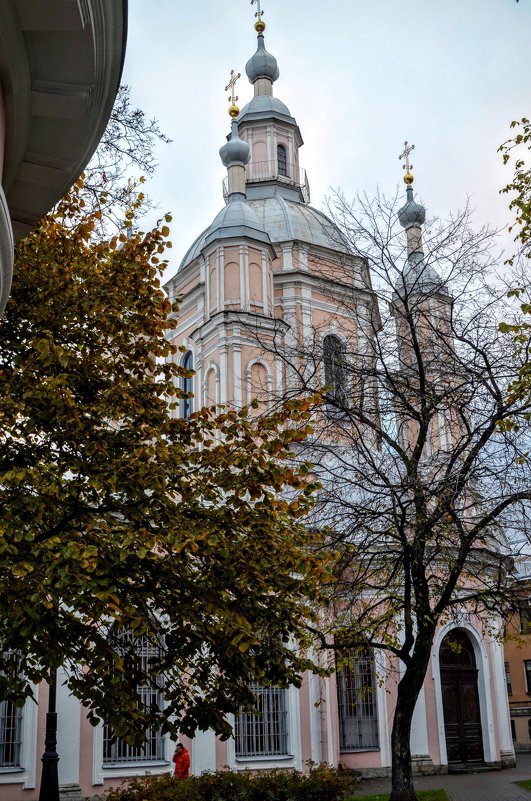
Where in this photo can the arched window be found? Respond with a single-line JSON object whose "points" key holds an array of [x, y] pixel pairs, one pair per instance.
{"points": [[356, 699], [335, 374], [187, 385], [282, 160]]}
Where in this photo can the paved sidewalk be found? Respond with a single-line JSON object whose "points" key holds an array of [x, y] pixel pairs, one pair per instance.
{"points": [[488, 786]]}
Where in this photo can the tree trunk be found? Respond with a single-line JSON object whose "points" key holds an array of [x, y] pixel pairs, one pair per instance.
{"points": [[409, 688]]}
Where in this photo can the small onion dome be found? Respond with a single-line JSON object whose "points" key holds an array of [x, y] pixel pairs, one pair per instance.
{"points": [[262, 64], [412, 213], [235, 151]]}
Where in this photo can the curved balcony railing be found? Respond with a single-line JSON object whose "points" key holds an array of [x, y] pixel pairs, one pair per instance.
{"points": [[291, 175]]}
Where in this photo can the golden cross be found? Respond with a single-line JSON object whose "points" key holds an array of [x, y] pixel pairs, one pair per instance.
{"points": [[231, 84], [405, 155], [259, 13]]}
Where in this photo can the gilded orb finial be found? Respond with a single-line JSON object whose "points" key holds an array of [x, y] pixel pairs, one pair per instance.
{"points": [[233, 108], [259, 25], [407, 166]]}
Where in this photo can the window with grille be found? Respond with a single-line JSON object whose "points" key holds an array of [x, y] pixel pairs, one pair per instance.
{"points": [[508, 679], [187, 385], [356, 696], [117, 751], [282, 160], [525, 618], [265, 734], [10, 735], [335, 375]]}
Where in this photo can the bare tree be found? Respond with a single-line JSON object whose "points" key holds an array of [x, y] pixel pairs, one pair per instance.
{"points": [[419, 448], [127, 145]]}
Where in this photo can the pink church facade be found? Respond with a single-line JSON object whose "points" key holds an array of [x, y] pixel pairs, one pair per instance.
{"points": [[242, 292]]}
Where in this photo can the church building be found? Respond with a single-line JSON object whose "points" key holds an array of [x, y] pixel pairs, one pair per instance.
{"points": [[271, 271]]}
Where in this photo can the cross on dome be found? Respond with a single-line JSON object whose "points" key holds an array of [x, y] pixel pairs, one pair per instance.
{"points": [[259, 13], [407, 166], [259, 24], [233, 109]]}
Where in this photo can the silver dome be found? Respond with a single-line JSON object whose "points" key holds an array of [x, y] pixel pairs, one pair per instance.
{"points": [[235, 151], [262, 64], [280, 219], [411, 213]]}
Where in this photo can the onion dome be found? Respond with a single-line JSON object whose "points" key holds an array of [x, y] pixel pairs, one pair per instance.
{"points": [[411, 213], [262, 64], [235, 152]]}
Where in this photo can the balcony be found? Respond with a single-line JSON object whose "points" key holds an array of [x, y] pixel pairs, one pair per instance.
{"points": [[265, 171]]}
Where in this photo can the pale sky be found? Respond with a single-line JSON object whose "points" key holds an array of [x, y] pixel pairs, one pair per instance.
{"points": [[359, 77]]}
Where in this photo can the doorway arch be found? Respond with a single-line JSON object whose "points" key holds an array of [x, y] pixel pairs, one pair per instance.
{"points": [[460, 697]]}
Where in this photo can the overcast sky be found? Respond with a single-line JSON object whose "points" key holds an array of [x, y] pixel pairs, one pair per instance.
{"points": [[360, 77]]}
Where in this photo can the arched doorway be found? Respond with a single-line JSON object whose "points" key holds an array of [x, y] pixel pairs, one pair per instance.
{"points": [[462, 718]]}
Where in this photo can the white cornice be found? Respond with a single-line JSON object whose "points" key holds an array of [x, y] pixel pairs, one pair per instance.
{"points": [[60, 65]]}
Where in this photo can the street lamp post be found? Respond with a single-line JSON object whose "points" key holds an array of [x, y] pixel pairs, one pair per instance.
{"points": [[49, 775]]}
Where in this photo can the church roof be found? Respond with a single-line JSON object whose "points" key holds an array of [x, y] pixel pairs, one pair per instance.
{"points": [[265, 107], [284, 220]]}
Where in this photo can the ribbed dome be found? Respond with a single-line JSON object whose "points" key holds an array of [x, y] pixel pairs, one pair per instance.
{"points": [[262, 64], [236, 219], [411, 213], [283, 221]]}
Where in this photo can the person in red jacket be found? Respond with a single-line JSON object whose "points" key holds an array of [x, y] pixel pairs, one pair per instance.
{"points": [[181, 758]]}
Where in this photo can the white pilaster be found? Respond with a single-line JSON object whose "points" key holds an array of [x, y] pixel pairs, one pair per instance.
{"points": [[223, 388], [246, 292], [287, 257], [237, 370], [221, 279], [68, 732], [502, 701], [419, 728], [203, 752], [265, 303]]}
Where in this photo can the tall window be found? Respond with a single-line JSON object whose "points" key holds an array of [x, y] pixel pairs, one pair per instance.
{"points": [[527, 669], [187, 385], [265, 734], [508, 679], [10, 735], [282, 160], [335, 375], [525, 618], [356, 696], [115, 750]]}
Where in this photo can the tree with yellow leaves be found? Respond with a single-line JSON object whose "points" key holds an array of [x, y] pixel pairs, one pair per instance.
{"points": [[121, 521]]}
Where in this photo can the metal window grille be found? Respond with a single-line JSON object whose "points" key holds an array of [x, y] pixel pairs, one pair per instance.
{"points": [[282, 160], [10, 735], [527, 668], [356, 693], [265, 734], [116, 751], [508, 679], [525, 618], [335, 360]]}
